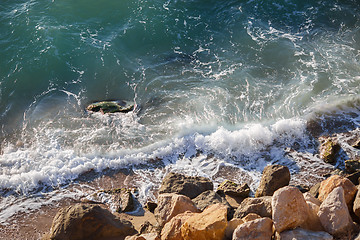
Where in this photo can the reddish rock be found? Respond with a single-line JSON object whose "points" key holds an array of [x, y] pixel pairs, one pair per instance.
{"points": [[290, 209], [232, 225], [170, 205], [335, 181], [172, 229], [208, 225], [273, 177], [334, 214], [313, 221], [258, 229], [250, 217]]}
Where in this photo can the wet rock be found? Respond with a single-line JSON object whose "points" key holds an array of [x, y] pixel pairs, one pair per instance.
{"points": [[233, 189], [232, 225], [208, 225], [273, 177], [172, 229], [352, 166], [356, 206], [170, 205], [289, 207], [328, 149], [303, 234], [207, 198], [334, 181], [260, 205], [334, 214], [111, 106], [259, 229], [83, 221], [185, 185]]}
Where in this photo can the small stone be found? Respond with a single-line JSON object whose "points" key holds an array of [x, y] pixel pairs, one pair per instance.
{"points": [[123, 201], [352, 166], [185, 185], [328, 149], [170, 205], [335, 181], [260, 205], [232, 225], [290, 209], [150, 206], [259, 229], [233, 189], [302, 234], [250, 217], [334, 214], [208, 225], [273, 178]]}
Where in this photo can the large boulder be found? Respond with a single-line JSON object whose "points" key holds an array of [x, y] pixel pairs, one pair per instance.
{"points": [[289, 208], [170, 205], [233, 189], [334, 214], [273, 178], [258, 229], [303, 234], [88, 222], [208, 225], [260, 205], [172, 229], [328, 149], [329, 184], [185, 185]]}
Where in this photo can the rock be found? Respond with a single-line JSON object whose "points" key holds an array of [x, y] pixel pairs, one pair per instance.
{"points": [[313, 221], [250, 217], [289, 207], [185, 185], [207, 198], [172, 229], [356, 207], [150, 206], [261, 206], [232, 225], [303, 188], [233, 189], [352, 166], [123, 201], [356, 144], [328, 149], [88, 222], [170, 205], [314, 190], [146, 236], [354, 177], [334, 214], [310, 198], [208, 225], [234, 202], [258, 229], [334, 181], [111, 106], [302, 234], [273, 178]]}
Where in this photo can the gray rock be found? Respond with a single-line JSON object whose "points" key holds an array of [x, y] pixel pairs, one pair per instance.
{"points": [[260, 206], [88, 222], [185, 185], [233, 189], [273, 178]]}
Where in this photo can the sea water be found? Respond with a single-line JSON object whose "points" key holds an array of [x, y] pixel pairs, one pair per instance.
{"points": [[217, 85]]}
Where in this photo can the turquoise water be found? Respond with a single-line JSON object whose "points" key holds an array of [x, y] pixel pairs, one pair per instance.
{"points": [[230, 78]]}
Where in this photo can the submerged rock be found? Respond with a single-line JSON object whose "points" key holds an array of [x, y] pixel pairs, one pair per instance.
{"points": [[111, 106]]}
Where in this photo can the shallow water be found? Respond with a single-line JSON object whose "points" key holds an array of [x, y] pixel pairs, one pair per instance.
{"points": [[217, 85]]}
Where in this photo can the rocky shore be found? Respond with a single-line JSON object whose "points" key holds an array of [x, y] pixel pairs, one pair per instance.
{"points": [[189, 208]]}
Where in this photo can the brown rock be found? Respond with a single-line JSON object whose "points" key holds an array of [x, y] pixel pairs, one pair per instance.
{"points": [[313, 221], [170, 205], [88, 222], [123, 201], [273, 178], [258, 229], [328, 149], [261, 206], [207, 198], [334, 181], [302, 234], [352, 165], [232, 225], [185, 185], [310, 198], [233, 189], [250, 217], [208, 225], [356, 207], [172, 229], [314, 190], [290, 209], [334, 214]]}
